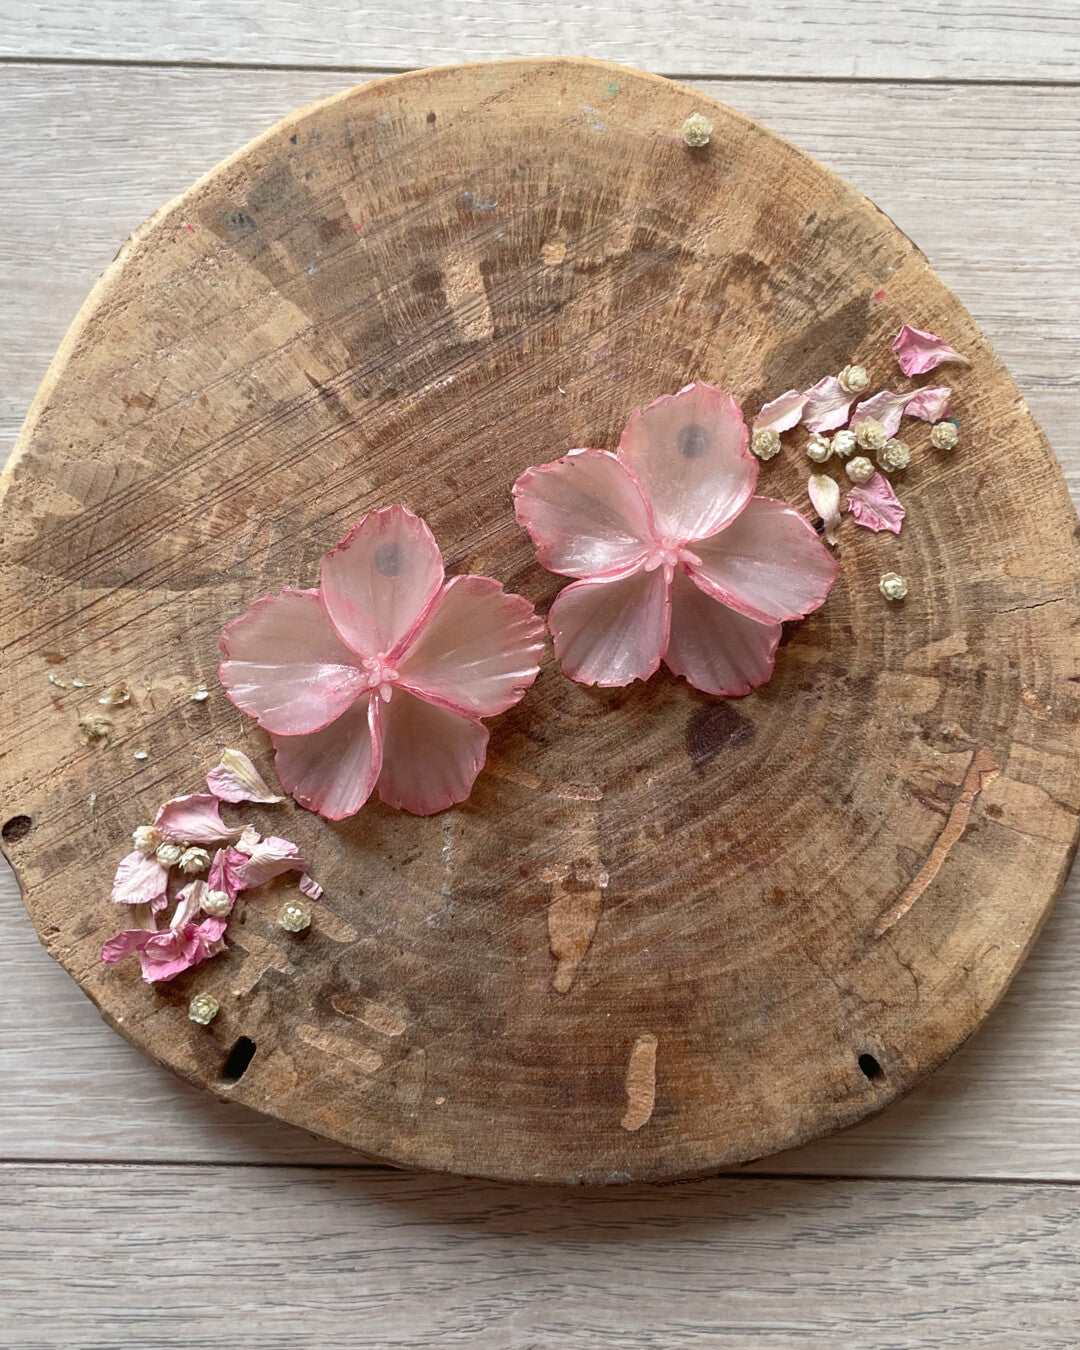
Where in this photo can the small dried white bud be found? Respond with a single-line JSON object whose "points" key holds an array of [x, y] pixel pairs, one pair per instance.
{"points": [[146, 839], [194, 860], [217, 904], [893, 455], [870, 434], [696, 130], [203, 1008], [818, 447], [295, 916], [199, 694], [168, 855], [140, 755], [844, 443], [944, 435], [859, 469], [854, 379], [892, 586], [765, 443], [116, 697], [94, 728]]}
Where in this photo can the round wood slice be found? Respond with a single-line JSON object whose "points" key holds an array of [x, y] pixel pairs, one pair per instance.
{"points": [[667, 933]]}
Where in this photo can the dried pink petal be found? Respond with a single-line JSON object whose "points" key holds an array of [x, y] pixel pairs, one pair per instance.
{"points": [[478, 650], [611, 632], [827, 404], [885, 407], [690, 452], [140, 880], [917, 351], [236, 779], [824, 494], [175, 950], [270, 858], [224, 874], [586, 513], [717, 649], [431, 755], [193, 819], [930, 404], [875, 506], [782, 413], [310, 887], [768, 564]]}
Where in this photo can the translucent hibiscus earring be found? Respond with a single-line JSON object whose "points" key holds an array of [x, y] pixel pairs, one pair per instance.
{"points": [[676, 558]]}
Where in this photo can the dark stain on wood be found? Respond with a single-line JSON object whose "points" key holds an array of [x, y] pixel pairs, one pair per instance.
{"points": [[713, 728]]}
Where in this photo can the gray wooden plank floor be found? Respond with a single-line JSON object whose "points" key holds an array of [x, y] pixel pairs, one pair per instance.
{"points": [[962, 125]]}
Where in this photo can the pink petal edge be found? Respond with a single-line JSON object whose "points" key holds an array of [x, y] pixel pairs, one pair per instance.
{"points": [[140, 880], [885, 407], [715, 648], [827, 404], [824, 494], [874, 505], [193, 819], [783, 413], [610, 633], [236, 779], [918, 351], [931, 404]]}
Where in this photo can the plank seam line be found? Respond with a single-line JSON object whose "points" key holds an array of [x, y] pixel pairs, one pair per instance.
{"points": [[138, 63]]}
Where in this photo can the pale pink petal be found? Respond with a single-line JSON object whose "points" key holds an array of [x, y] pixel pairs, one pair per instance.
{"points": [[270, 858], [125, 943], [874, 505], [477, 651], [379, 579], [285, 665], [717, 649], [188, 902], [586, 513], [333, 771], [194, 819], [691, 452], [931, 404], [611, 632], [236, 779], [140, 881], [827, 405], [824, 494], [431, 756], [310, 887], [782, 413], [180, 949], [917, 352], [224, 873], [886, 408], [768, 564]]}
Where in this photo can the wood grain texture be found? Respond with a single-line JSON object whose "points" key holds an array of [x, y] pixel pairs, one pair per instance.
{"points": [[197, 354], [867, 39], [168, 1258]]}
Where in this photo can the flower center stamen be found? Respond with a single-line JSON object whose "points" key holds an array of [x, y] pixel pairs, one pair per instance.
{"points": [[379, 675], [668, 554]]}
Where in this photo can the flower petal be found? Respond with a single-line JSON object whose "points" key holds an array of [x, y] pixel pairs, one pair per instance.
{"points": [[270, 858], [611, 632], [824, 494], [431, 756], [717, 649], [285, 665], [310, 887], [875, 505], [378, 580], [478, 649], [194, 819], [140, 881], [886, 408], [782, 413], [917, 351], [768, 564], [587, 514], [333, 771], [224, 873], [827, 405], [690, 451], [931, 404], [123, 944], [236, 779]]}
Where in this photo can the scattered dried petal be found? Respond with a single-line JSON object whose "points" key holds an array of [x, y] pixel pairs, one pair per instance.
{"points": [[944, 436], [854, 379], [930, 404], [859, 469], [236, 779], [140, 881], [194, 819], [917, 351], [893, 586], [203, 1008], [116, 697], [818, 447], [844, 444], [295, 916], [782, 413], [310, 887], [886, 408], [824, 495], [827, 405], [893, 456], [696, 130], [94, 728], [875, 506], [269, 858], [765, 443]]}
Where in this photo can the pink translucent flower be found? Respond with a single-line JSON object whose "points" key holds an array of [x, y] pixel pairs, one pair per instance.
{"points": [[380, 677], [677, 560], [165, 954]]}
